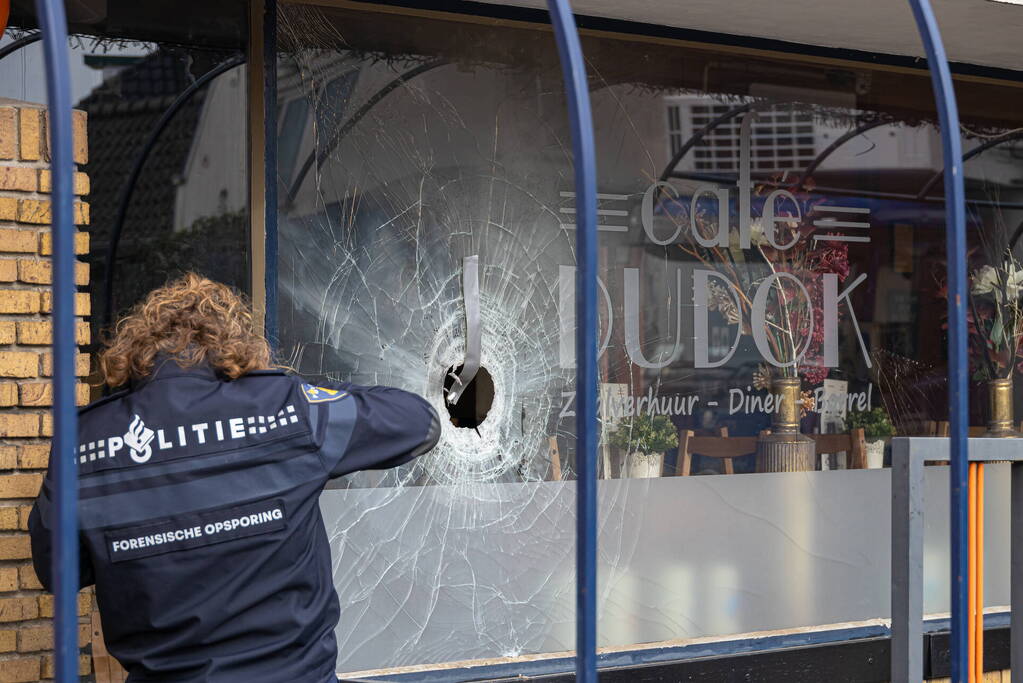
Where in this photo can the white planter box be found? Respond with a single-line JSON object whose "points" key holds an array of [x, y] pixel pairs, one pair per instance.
{"points": [[642, 465], [875, 454]]}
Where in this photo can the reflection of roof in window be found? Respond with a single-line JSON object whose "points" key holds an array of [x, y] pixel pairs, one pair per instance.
{"points": [[158, 74], [122, 112]]}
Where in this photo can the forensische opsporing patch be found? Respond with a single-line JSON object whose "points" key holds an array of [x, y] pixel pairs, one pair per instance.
{"points": [[188, 531]]}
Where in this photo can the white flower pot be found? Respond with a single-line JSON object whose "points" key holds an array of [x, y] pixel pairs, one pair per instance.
{"points": [[875, 454], [642, 465]]}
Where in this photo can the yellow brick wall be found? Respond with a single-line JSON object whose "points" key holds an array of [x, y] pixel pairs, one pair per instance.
{"points": [[26, 630]]}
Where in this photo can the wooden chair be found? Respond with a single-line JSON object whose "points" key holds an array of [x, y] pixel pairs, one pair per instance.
{"points": [[721, 446], [554, 456], [728, 448], [852, 443]]}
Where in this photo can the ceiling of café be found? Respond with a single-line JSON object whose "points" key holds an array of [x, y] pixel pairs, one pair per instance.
{"points": [[981, 32], [978, 32]]}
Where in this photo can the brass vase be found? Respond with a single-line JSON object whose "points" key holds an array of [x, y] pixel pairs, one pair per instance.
{"points": [[785, 449], [999, 396]]}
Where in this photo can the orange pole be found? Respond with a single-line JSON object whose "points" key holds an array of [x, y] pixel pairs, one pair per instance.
{"points": [[979, 654], [972, 576]]}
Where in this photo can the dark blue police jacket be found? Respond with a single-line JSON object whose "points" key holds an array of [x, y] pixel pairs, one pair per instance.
{"points": [[199, 518]]}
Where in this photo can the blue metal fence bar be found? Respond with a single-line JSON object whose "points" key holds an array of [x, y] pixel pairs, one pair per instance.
{"points": [[584, 155], [270, 168], [53, 23], [955, 241], [136, 171]]}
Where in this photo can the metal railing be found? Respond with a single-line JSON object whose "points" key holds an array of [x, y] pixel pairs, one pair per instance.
{"points": [[53, 25], [587, 431], [270, 171], [958, 362], [907, 560]]}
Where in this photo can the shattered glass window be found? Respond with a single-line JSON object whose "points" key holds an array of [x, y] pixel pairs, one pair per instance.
{"points": [[771, 309]]}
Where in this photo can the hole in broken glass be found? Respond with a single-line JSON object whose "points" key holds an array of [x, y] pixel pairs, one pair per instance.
{"points": [[471, 408]]}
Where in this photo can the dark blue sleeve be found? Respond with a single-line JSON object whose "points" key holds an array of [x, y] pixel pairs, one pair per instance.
{"points": [[374, 428], [40, 528]]}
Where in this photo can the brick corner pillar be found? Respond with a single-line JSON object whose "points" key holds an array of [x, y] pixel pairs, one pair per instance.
{"points": [[26, 423]]}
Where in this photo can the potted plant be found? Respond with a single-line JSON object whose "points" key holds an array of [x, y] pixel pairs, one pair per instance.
{"points": [[996, 317], [783, 267], [995, 325], [877, 428], [644, 439]]}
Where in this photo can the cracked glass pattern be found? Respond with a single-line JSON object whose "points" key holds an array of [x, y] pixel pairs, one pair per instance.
{"points": [[407, 144]]}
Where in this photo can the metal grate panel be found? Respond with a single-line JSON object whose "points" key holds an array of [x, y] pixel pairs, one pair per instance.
{"points": [[783, 137]]}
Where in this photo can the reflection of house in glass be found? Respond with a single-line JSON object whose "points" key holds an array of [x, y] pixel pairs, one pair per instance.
{"points": [[192, 189]]}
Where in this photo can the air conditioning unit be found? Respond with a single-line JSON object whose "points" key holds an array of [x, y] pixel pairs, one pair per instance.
{"points": [[783, 136]]}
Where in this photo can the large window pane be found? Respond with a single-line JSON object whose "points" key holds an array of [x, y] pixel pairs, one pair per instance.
{"points": [[772, 264]]}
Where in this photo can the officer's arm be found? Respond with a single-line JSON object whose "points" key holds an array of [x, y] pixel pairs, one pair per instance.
{"points": [[40, 528], [374, 428]]}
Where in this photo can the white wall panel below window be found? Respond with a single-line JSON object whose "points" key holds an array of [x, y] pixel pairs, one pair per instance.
{"points": [[680, 558]]}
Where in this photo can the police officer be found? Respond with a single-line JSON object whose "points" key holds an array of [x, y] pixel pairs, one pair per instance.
{"points": [[198, 493]]}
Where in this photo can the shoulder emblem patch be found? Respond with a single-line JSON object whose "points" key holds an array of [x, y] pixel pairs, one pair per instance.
{"points": [[315, 394]]}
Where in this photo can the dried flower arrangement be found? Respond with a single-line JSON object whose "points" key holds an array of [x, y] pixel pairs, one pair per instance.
{"points": [[794, 322], [995, 314]]}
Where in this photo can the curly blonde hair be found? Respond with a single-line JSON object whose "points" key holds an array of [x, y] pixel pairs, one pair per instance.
{"points": [[193, 320]]}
